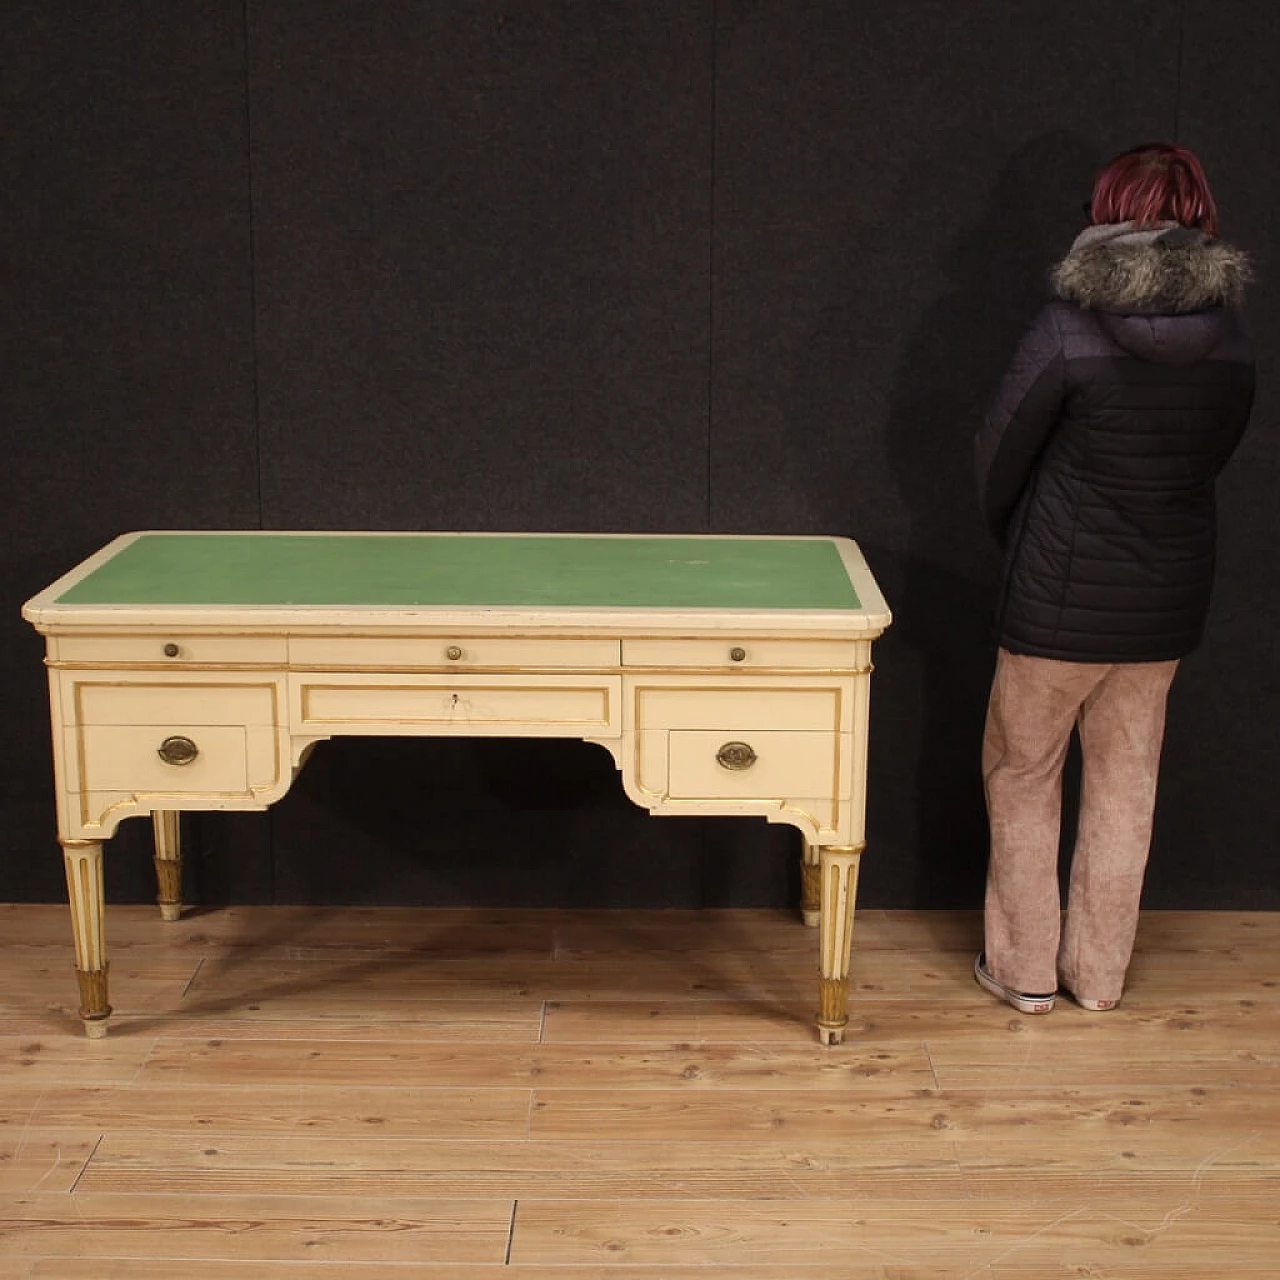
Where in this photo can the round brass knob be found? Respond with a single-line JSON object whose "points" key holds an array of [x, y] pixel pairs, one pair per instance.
{"points": [[736, 756], [177, 750], [453, 653], [738, 654], [171, 650]]}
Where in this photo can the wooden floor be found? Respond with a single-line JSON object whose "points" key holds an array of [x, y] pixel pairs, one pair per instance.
{"points": [[307, 1093]]}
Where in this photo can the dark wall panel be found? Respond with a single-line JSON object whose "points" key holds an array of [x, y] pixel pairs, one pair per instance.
{"points": [[892, 184], [127, 399], [482, 245], [1218, 824]]}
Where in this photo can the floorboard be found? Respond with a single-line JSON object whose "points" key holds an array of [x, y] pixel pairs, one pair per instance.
{"points": [[297, 1093]]}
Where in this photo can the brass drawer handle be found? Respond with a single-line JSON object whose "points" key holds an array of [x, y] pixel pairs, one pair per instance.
{"points": [[453, 653], [177, 750], [736, 755], [171, 650], [737, 654]]}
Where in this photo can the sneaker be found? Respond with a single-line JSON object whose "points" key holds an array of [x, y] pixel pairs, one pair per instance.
{"points": [[1023, 1001]]}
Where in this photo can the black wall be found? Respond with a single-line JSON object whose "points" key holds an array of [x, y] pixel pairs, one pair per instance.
{"points": [[726, 267]]}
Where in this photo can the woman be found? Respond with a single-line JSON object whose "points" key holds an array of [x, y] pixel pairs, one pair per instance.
{"points": [[1096, 468]]}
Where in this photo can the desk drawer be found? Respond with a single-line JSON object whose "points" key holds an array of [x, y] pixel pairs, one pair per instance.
{"points": [[544, 706], [755, 765], [126, 758], [174, 758], [737, 654], [448, 653], [163, 649]]}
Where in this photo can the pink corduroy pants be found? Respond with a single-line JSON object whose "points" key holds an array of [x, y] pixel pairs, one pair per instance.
{"points": [[1119, 711]]}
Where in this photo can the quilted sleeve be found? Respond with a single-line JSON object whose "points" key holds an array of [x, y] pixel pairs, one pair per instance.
{"points": [[1020, 419]]}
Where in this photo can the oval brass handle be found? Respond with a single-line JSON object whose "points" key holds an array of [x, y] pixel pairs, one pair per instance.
{"points": [[171, 650], [736, 755], [177, 750], [738, 654], [453, 653]]}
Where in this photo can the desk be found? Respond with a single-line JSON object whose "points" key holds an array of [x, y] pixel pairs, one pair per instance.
{"points": [[725, 675]]}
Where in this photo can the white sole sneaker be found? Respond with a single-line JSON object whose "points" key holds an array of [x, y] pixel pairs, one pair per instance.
{"points": [[1096, 1006], [1023, 1001]]}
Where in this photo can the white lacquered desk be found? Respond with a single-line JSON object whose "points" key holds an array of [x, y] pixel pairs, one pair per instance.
{"points": [[194, 671]]}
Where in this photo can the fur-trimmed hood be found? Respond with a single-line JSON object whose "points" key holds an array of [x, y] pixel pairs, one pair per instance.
{"points": [[1159, 292], [1161, 270]]}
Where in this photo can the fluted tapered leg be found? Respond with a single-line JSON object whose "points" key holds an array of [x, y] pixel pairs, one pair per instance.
{"points": [[83, 860], [168, 862], [838, 869]]}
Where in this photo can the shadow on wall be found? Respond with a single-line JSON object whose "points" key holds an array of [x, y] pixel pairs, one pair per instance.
{"points": [[993, 280]]}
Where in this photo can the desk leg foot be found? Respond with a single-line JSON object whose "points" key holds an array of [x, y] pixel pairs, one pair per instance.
{"points": [[833, 1009], [838, 869], [810, 886], [94, 1009], [833, 1032], [83, 859], [168, 862]]}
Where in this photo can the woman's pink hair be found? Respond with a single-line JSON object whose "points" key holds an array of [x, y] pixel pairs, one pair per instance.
{"points": [[1154, 183]]}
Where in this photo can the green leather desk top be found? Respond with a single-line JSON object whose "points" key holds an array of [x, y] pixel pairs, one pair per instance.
{"points": [[469, 570]]}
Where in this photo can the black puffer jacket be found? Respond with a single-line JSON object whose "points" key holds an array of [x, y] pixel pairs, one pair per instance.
{"points": [[1096, 463]]}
